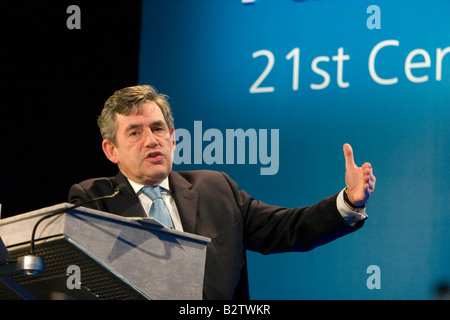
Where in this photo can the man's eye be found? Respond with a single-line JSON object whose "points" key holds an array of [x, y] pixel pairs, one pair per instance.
{"points": [[158, 130]]}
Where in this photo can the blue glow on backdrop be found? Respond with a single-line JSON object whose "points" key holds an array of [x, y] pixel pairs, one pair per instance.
{"points": [[295, 81]]}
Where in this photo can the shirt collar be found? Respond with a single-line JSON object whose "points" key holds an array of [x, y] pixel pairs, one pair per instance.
{"points": [[137, 186]]}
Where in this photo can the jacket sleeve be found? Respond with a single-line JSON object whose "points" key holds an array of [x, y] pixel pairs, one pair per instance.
{"points": [[77, 195], [90, 189], [273, 229]]}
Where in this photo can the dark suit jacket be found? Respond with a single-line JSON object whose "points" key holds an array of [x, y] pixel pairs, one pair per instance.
{"points": [[210, 204]]}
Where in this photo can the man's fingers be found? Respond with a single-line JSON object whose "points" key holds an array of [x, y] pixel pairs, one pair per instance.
{"points": [[348, 154], [367, 169], [372, 181]]}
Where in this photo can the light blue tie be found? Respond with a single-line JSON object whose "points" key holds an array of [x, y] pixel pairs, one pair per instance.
{"points": [[159, 209]]}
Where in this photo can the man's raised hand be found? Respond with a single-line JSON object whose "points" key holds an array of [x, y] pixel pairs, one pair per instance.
{"points": [[360, 181]]}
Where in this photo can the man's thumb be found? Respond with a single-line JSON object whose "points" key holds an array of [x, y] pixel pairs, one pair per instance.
{"points": [[348, 154]]}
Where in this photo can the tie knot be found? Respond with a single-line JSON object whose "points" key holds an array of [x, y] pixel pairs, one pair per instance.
{"points": [[153, 192]]}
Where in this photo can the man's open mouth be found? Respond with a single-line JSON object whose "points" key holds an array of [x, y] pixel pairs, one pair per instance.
{"points": [[154, 155]]}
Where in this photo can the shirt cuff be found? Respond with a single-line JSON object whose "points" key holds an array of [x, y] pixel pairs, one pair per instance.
{"points": [[350, 217]]}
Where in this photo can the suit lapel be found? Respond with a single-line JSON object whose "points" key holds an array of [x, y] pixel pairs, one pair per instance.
{"points": [[186, 200], [127, 204]]}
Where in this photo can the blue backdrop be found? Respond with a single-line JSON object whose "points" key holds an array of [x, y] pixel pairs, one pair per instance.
{"points": [[301, 78]]}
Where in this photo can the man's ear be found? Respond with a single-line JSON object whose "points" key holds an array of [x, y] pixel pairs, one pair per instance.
{"points": [[172, 137], [110, 151]]}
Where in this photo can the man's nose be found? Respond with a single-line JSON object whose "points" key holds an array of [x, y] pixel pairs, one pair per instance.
{"points": [[150, 139]]}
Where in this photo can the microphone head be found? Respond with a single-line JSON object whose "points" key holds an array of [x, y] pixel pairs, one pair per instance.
{"points": [[121, 187]]}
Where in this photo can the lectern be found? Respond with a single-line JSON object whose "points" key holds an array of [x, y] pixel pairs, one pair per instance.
{"points": [[89, 254]]}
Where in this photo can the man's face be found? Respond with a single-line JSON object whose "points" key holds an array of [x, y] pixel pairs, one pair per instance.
{"points": [[144, 145]]}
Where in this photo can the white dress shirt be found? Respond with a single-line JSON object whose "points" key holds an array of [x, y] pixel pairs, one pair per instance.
{"points": [[350, 216]]}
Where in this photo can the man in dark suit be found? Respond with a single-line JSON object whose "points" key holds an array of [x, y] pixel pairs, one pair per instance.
{"points": [[137, 127]]}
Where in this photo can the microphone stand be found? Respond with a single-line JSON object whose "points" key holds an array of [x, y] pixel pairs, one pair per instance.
{"points": [[59, 211], [32, 264]]}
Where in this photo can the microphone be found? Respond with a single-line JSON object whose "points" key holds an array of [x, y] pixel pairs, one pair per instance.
{"points": [[118, 189]]}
